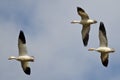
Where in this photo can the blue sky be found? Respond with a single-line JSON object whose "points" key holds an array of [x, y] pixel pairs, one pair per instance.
{"points": [[55, 42]]}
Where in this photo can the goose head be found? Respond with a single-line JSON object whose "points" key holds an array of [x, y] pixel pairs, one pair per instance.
{"points": [[75, 21], [91, 49], [11, 57]]}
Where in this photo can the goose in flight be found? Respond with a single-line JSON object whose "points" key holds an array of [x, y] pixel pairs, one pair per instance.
{"points": [[103, 49], [86, 22], [23, 57]]}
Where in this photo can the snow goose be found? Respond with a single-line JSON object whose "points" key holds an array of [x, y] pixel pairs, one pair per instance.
{"points": [[103, 49], [23, 57], [86, 22]]}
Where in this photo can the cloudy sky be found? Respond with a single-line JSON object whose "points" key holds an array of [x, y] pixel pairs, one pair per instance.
{"points": [[55, 42]]}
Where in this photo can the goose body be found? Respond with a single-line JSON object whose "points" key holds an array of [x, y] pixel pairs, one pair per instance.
{"points": [[86, 22], [23, 57], [103, 49]]}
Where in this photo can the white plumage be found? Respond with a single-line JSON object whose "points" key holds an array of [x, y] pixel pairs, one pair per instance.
{"points": [[23, 57], [86, 22], [103, 49]]}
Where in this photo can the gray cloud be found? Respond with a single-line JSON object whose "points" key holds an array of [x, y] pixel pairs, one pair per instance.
{"points": [[55, 43]]}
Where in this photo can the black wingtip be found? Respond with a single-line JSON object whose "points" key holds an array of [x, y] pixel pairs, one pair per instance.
{"points": [[102, 27], [85, 43], [80, 9], [85, 40], [22, 37], [27, 70], [105, 63]]}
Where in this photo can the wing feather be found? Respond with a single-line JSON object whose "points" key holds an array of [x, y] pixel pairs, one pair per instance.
{"points": [[102, 35], [82, 13], [22, 44], [85, 34], [104, 59], [26, 68]]}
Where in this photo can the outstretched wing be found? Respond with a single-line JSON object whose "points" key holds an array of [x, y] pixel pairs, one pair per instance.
{"points": [[104, 59], [22, 44], [102, 35], [26, 68], [82, 13], [85, 34]]}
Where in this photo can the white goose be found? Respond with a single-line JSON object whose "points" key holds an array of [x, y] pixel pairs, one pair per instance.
{"points": [[103, 49], [23, 57], [85, 21]]}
